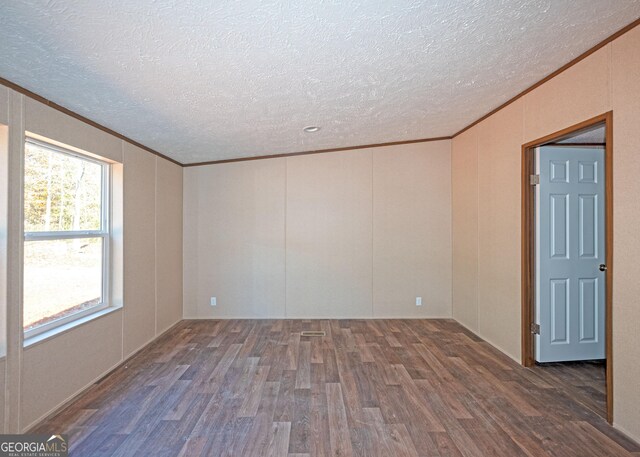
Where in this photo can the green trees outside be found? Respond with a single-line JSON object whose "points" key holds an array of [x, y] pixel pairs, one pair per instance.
{"points": [[61, 191]]}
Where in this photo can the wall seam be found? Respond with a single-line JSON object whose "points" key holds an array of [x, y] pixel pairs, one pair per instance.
{"points": [[524, 120], [124, 252], [610, 81], [372, 238], [451, 221], [155, 242], [286, 193], [613, 408], [194, 201], [477, 231]]}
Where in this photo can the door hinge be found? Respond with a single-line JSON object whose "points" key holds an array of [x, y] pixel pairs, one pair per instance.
{"points": [[534, 180], [535, 329]]}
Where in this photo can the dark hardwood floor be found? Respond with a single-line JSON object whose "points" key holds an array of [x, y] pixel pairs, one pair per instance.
{"points": [[584, 382], [368, 388]]}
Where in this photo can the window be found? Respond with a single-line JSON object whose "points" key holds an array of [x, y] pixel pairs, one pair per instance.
{"points": [[66, 236]]}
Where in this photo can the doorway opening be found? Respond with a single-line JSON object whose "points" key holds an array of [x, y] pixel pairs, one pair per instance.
{"points": [[567, 260]]}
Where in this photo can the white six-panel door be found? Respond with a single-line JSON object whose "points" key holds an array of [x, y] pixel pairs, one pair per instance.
{"points": [[570, 247]]}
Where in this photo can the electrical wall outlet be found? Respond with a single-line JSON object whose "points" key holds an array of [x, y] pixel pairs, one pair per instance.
{"points": [[213, 301], [418, 301]]}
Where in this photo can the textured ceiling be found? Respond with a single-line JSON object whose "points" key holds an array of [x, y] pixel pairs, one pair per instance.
{"points": [[205, 80], [594, 135]]}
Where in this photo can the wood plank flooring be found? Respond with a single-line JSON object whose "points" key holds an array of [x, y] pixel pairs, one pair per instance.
{"points": [[368, 388], [584, 382]]}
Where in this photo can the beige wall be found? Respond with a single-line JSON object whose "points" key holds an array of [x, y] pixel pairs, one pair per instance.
{"points": [[464, 183], [499, 229], [349, 234], [234, 239], [486, 228], [486, 188], [168, 245], [55, 370], [44, 375], [139, 325], [625, 85], [4, 206], [412, 230], [329, 231]]}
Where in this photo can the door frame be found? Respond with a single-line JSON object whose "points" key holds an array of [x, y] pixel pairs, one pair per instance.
{"points": [[528, 243]]}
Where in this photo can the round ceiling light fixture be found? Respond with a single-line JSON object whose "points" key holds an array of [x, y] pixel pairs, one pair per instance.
{"points": [[311, 129]]}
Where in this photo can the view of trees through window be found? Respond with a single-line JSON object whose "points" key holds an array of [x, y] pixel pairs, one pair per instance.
{"points": [[61, 192], [63, 251]]}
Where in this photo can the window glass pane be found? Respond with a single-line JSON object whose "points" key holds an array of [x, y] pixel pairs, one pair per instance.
{"points": [[61, 277], [61, 191]]}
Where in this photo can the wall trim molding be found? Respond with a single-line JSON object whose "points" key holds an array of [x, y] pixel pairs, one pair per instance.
{"points": [[317, 151]]}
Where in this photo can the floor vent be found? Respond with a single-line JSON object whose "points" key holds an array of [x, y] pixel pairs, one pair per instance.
{"points": [[313, 333]]}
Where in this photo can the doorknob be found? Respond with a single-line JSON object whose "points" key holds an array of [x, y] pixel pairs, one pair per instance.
{"points": [[603, 267]]}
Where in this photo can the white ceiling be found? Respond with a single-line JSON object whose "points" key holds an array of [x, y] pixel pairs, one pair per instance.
{"points": [[205, 80], [596, 135]]}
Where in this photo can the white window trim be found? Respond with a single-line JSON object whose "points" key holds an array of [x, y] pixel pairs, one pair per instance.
{"points": [[103, 233]]}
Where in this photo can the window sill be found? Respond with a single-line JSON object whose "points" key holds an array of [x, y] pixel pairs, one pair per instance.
{"points": [[37, 339]]}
